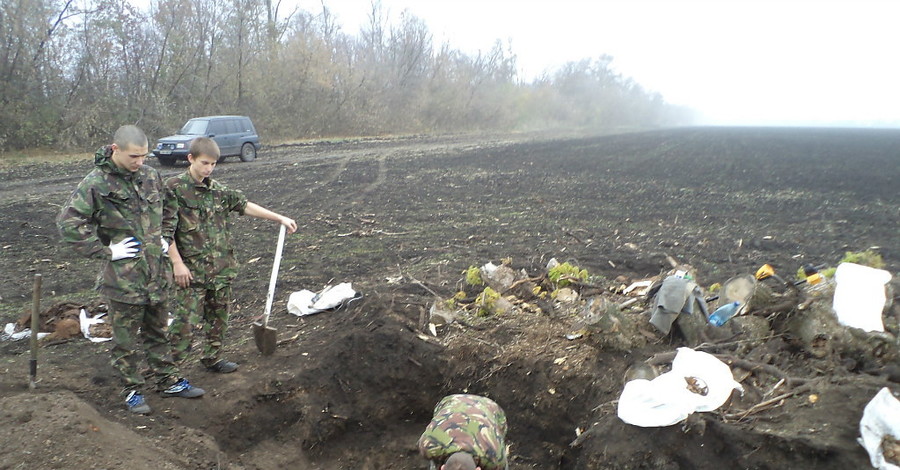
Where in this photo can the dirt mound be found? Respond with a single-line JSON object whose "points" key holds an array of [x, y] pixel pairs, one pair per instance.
{"points": [[56, 429]]}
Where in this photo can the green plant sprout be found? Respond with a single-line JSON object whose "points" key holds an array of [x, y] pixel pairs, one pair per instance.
{"points": [[473, 276], [562, 274], [486, 302]]}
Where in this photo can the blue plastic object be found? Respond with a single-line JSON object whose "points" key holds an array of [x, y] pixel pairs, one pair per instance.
{"points": [[724, 313]]}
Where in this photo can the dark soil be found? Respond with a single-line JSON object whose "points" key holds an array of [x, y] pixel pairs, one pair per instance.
{"points": [[353, 389]]}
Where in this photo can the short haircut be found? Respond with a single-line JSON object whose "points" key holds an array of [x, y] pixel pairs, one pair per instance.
{"points": [[460, 461], [128, 135], [204, 146]]}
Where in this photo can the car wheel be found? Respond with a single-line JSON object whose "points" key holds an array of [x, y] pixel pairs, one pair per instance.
{"points": [[248, 152], [166, 161], [221, 159]]}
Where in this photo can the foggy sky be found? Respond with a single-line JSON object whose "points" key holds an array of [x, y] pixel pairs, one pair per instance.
{"points": [[734, 61]]}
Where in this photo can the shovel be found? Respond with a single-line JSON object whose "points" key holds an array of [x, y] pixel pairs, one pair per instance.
{"points": [[35, 324], [266, 336]]}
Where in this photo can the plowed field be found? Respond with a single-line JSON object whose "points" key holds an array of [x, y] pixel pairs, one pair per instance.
{"points": [[402, 218]]}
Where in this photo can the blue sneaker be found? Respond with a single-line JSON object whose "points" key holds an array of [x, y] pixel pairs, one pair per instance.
{"points": [[136, 404], [183, 389]]}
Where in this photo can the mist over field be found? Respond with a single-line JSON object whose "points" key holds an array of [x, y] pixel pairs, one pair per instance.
{"points": [[72, 72]]}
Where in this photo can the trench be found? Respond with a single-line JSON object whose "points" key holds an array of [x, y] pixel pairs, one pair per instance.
{"points": [[371, 391]]}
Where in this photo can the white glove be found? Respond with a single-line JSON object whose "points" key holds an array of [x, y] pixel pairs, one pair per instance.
{"points": [[165, 245], [127, 248]]}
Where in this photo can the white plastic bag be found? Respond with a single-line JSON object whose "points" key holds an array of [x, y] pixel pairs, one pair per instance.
{"points": [[10, 334], [86, 323], [859, 296], [881, 417], [697, 382], [306, 302]]}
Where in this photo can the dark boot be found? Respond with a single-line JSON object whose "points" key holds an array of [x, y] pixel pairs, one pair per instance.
{"points": [[222, 367]]}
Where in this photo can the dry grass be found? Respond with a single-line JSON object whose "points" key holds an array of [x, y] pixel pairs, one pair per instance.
{"points": [[40, 155], [32, 156]]}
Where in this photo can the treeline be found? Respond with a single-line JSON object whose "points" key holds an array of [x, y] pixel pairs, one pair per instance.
{"points": [[72, 71]]}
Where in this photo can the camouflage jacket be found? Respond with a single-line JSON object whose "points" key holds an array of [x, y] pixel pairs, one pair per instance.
{"points": [[200, 214], [109, 205], [467, 423]]}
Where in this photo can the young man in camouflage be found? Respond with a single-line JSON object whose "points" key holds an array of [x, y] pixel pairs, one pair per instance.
{"points": [[116, 215], [202, 255], [467, 432]]}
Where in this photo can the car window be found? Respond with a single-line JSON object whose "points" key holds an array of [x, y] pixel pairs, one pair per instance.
{"points": [[234, 126], [194, 127], [218, 127], [245, 125]]}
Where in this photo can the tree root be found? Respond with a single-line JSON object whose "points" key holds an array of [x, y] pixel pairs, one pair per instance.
{"points": [[751, 366], [769, 404]]}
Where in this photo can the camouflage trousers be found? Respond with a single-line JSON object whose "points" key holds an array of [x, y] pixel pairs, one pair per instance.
{"points": [[204, 309], [434, 466], [146, 323]]}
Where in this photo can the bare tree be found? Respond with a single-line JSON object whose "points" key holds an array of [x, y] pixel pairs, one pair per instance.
{"points": [[70, 72]]}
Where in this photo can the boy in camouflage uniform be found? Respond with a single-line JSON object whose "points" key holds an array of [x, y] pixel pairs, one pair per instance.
{"points": [[202, 255], [466, 433], [116, 215]]}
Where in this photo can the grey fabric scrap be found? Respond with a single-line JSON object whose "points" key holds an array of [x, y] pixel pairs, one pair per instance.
{"points": [[676, 295]]}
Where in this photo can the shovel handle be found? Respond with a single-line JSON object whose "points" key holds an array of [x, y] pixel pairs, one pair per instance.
{"points": [[272, 279], [35, 326]]}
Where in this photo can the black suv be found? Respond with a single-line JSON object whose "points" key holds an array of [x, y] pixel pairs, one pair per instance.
{"points": [[234, 134]]}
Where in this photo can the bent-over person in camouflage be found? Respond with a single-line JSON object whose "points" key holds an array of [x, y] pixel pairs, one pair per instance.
{"points": [[116, 215], [467, 432], [202, 255]]}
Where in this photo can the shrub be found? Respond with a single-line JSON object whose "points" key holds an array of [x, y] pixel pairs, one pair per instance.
{"points": [[486, 301], [562, 274], [473, 276], [867, 258]]}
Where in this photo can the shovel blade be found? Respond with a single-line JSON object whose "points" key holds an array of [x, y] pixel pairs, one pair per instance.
{"points": [[266, 338]]}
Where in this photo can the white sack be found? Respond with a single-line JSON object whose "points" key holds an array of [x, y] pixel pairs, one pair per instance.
{"points": [[881, 417], [306, 302], [859, 296], [667, 399]]}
